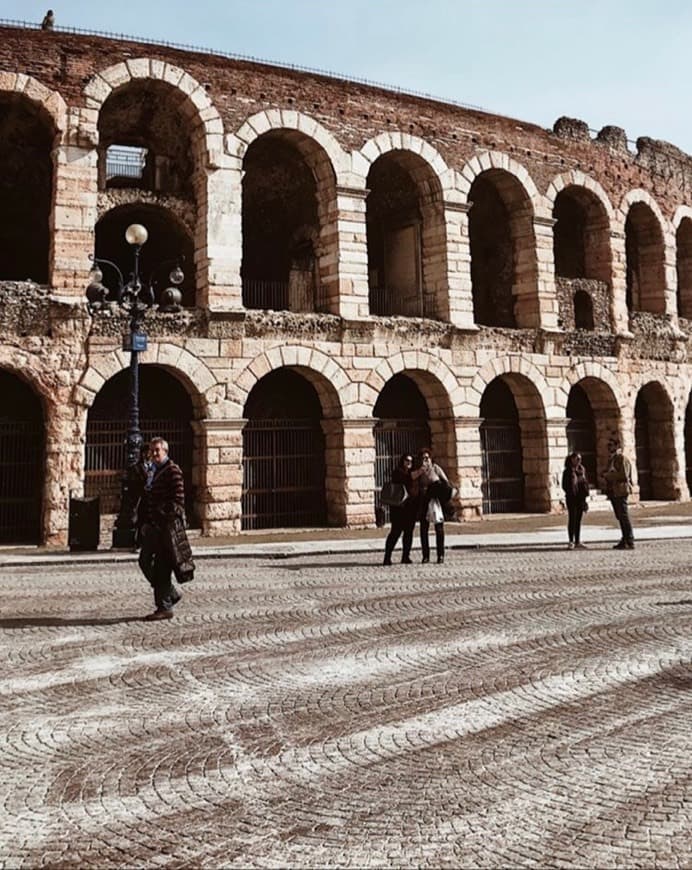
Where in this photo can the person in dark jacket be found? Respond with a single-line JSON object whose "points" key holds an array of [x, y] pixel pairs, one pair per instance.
{"points": [[161, 520], [403, 516], [576, 488], [435, 490]]}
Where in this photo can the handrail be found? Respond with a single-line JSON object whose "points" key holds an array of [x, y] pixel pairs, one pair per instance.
{"points": [[181, 46]]}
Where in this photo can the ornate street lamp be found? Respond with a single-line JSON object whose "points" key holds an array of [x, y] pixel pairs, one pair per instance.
{"points": [[136, 299]]}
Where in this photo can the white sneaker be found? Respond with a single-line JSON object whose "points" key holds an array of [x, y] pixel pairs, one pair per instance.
{"points": [[580, 546], [570, 546]]}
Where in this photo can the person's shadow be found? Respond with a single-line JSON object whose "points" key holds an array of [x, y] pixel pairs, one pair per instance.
{"points": [[37, 621]]}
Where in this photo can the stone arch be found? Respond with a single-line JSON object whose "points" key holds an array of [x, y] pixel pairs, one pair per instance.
{"points": [[50, 102], [333, 386], [195, 102], [406, 235], [300, 275], [510, 365], [525, 428], [654, 437], [647, 241], [577, 178], [682, 224], [190, 370], [383, 143], [487, 160], [33, 128], [288, 119], [605, 401], [504, 205], [438, 382]]}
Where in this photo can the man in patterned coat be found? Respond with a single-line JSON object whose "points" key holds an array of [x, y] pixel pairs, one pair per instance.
{"points": [[161, 518]]}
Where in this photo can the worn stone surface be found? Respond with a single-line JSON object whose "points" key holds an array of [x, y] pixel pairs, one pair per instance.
{"points": [[504, 709], [214, 127]]}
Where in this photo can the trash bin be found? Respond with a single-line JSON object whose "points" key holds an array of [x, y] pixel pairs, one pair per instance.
{"points": [[85, 523]]}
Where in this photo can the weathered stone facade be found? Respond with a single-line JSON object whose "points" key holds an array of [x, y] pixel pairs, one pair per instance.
{"points": [[412, 237]]}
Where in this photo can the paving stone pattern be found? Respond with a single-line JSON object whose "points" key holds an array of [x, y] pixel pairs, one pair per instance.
{"points": [[516, 708]]}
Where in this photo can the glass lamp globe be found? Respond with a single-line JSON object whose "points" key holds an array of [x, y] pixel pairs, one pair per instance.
{"points": [[136, 234]]}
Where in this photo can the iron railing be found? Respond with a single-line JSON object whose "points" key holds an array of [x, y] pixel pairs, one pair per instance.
{"points": [[502, 481], [122, 162], [393, 438], [275, 295], [386, 302], [21, 481], [106, 456], [283, 474]]}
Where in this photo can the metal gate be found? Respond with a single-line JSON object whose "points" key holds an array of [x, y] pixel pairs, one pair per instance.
{"points": [[393, 438], [283, 474], [21, 480], [503, 474], [106, 455], [641, 440]]}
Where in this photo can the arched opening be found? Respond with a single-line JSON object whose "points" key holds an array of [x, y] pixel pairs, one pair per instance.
{"points": [[288, 200], [22, 453], [26, 187], [504, 271], [165, 409], [645, 273], [402, 426], [168, 244], [581, 430], [404, 216], [284, 469], [583, 310], [502, 460], [593, 423], [144, 140], [688, 443], [581, 242], [683, 241], [655, 444]]}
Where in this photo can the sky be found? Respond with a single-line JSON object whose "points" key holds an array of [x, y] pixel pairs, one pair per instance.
{"points": [[621, 62]]}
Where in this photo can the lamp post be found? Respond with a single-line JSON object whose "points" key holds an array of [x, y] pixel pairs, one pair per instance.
{"points": [[136, 299]]}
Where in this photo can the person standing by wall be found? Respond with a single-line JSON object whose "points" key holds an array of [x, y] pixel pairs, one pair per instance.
{"points": [[165, 548], [618, 488], [576, 489], [435, 490], [403, 516]]}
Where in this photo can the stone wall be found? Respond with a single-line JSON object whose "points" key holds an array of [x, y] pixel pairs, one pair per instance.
{"points": [[337, 131]]}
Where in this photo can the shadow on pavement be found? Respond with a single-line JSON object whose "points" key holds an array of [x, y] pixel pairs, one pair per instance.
{"points": [[667, 603], [35, 621]]}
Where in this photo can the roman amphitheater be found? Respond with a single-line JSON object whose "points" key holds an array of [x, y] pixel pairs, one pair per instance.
{"points": [[366, 271]]}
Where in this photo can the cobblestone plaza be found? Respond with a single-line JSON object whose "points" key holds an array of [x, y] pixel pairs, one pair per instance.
{"points": [[510, 708]]}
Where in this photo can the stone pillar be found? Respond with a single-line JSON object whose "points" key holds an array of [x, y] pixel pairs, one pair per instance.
{"points": [[73, 218], [558, 448], [219, 242], [548, 308], [680, 484], [64, 468], [470, 467], [670, 272], [351, 253], [459, 306], [620, 314], [218, 474], [359, 472]]}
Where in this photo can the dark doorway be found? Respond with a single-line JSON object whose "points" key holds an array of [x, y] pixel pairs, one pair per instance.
{"points": [[166, 246], [501, 452], [165, 410], [581, 431], [401, 426], [26, 181], [22, 450], [283, 454], [643, 447]]}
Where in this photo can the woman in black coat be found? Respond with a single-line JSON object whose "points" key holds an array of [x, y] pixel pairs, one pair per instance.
{"points": [[403, 516], [576, 488]]}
